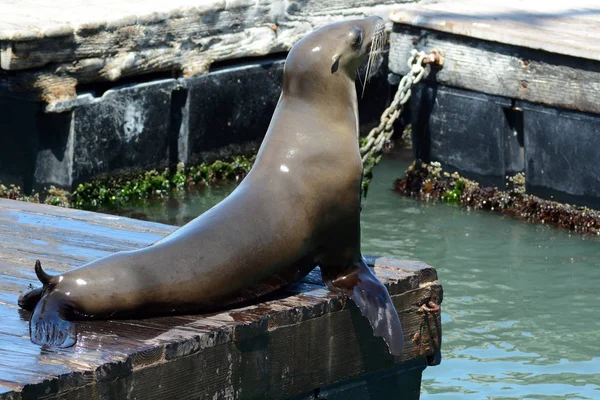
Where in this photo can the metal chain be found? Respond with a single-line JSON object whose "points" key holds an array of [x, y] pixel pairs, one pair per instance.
{"points": [[380, 136]]}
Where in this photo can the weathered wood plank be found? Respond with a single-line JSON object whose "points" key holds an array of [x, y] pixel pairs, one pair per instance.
{"points": [[500, 69], [28, 21], [568, 28], [273, 349], [263, 366], [107, 220], [80, 45]]}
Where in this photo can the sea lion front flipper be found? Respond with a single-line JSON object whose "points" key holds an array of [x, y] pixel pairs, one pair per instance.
{"points": [[374, 302], [47, 325]]}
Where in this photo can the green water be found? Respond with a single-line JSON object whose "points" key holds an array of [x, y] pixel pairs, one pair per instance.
{"points": [[520, 317]]}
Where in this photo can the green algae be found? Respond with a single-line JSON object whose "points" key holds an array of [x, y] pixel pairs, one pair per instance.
{"points": [[129, 189], [428, 182], [368, 166], [136, 188], [453, 195]]}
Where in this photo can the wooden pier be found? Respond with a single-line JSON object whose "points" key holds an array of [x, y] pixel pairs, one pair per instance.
{"points": [[519, 91], [95, 86], [47, 50], [302, 343]]}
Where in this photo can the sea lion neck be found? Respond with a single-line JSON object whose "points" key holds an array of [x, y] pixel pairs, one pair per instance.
{"points": [[307, 83]]}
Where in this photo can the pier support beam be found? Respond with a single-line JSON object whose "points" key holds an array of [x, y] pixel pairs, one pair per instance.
{"points": [[151, 125], [508, 99]]}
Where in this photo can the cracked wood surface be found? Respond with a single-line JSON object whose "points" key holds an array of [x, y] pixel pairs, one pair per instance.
{"points": [[288, 344], [52, 48], [569, 28], [508, 49]]}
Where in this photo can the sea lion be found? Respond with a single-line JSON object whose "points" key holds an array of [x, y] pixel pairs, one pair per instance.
{"points": [[299, 207]]}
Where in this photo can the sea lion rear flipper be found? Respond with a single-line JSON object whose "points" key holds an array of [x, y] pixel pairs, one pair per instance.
{"points": [[375, 304], [29, 300], [48, 325]]}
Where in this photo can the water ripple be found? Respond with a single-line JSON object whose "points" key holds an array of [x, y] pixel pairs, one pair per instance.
{"points": [[519, 317]]}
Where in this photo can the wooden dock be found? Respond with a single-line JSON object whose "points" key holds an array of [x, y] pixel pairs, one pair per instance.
{"points": [[562, 30], [519, 91], [89, 87], [302, 343], [52, 49]]}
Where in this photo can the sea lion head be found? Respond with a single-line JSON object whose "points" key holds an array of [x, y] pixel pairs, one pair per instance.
{"points": [[336, 50]]}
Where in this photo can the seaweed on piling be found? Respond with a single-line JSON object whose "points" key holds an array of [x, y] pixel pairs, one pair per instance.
{"points": [[428, 182], [137, 187]]}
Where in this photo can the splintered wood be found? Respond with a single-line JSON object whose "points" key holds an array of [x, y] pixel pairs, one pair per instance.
{"points": [[57, 46], [288, 344]]}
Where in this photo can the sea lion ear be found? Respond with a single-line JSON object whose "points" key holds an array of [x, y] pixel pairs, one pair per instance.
{"points": [[336, 63]]}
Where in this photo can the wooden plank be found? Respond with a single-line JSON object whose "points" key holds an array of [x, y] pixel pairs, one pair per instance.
{"points": [[107, 220], [504, 70], [276, 345], [252, 368], [568, 28], [81, 44], [64, 240], [30, 20]]}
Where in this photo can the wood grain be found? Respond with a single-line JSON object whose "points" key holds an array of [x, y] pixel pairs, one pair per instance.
{"points": [[569, 28], [499, 69], [55, 48], [288, 344]]}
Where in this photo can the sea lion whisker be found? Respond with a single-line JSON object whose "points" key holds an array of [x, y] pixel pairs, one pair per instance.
{"points": [[369, 63], [376, 48], [360, 79]]}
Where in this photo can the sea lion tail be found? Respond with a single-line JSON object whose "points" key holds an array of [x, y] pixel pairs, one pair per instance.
{"points": [[48, 325], [374, 302], [43, 276], [29, 300]]}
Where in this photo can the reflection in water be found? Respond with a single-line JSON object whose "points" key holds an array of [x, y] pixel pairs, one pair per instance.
{"points": [[178, 210], [520, 319]]}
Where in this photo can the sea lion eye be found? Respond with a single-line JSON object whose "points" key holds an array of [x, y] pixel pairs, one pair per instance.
{"points": [[357, 37]]}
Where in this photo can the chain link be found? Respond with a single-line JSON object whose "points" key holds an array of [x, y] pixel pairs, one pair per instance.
{"points": [[380, 136]]}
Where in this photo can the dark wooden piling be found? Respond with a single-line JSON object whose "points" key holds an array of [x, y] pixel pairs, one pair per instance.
{"points": [[301, 343], [518, 91], [99, 86]]}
